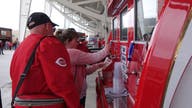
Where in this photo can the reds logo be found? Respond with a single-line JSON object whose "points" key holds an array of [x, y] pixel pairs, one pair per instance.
{"points": [[61, 62]]}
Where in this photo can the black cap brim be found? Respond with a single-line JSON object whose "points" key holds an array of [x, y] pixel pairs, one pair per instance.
{"points": [[53, 24]]}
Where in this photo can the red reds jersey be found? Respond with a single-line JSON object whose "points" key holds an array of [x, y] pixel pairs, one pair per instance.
{"points": [[50, 74]]}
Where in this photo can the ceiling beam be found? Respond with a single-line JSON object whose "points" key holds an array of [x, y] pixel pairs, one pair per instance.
{"points": [[102, 18], [88, 28], [86, 2], [91, 9]]}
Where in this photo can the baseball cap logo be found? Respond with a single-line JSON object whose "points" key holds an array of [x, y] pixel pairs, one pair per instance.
{"points": [[32, 23], [61, 62]]}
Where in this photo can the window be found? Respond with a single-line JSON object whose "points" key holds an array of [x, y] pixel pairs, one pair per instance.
{"points": [[3, 33], [123, 25], [115, 29], [146, 19]]}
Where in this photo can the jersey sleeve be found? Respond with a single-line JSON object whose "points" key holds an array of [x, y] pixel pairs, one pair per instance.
{"points": [[56, 67], [80, 58]]}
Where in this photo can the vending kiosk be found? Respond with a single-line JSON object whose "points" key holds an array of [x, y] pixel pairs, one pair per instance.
{"points": [[117, 85], [147, 69]]}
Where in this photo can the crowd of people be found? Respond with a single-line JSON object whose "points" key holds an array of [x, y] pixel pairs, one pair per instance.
{"points": [[59, 67], [8, 45]]}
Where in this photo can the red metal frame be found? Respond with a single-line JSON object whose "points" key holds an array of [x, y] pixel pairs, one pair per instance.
{"points": [[161, 54]]}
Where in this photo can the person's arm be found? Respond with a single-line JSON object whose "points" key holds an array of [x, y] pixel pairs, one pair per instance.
{"points": [[92, 68], [80, 58], [56, 66]]}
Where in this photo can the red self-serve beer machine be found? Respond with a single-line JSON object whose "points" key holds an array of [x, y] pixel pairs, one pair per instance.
{"points": [[151, 55]]}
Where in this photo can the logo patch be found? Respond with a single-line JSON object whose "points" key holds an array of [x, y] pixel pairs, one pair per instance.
{"points": [[61, 62], [32, 23]]}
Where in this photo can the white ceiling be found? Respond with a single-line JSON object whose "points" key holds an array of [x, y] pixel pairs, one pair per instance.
{"points": [[89, 15]]}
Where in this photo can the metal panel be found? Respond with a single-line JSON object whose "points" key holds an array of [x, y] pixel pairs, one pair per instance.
{"points": [[24, 13], [178, 91]]}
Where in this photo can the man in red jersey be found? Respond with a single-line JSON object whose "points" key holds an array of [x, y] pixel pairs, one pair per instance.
{"points": [[50, 74]]}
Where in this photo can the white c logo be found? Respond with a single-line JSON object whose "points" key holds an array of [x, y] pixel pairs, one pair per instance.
{"points": [[61, 62]]}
